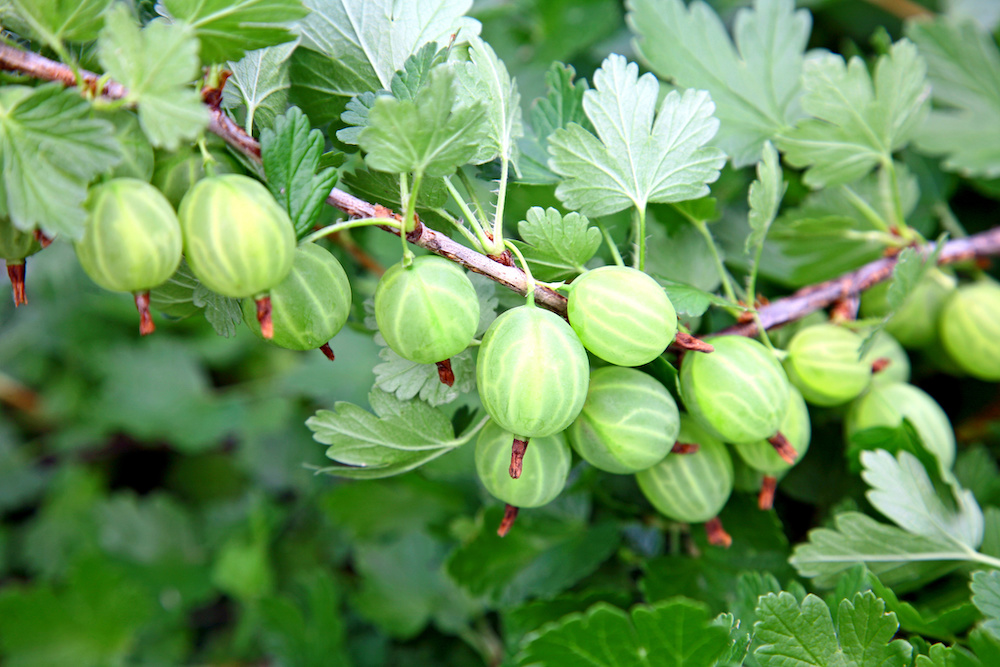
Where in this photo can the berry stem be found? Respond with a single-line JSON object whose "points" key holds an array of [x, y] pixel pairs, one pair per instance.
{"points": [[445, 373], [15, 271], [42, 239], [529, 279], [765, 499], [880, 364], [517, 450], [509, 516], [689, 343], [264, 317], [783, 448], [717, 535], [328, 351], [685, 448], [146, 325]]}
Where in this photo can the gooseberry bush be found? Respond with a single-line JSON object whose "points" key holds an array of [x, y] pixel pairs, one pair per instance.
{"points": [[632, 333]]}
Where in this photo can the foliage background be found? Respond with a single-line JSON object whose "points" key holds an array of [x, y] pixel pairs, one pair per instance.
{"points": [[156, 510]]}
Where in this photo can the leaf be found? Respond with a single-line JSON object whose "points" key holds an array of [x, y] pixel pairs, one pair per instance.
{"points": [[858, 122], [866, 632], [399, 437], [223, 313], [260, 82], [58, 21], [485, 79], [675, 633], [900, 559], [963, 64], [557, 246], [136, 152], [755, 84], [51, 149], [433, 134], [227, 29], [634, 160], [291, 153], [986, 596], [562, 105], [408, 379], [689, 300], [156, 65], [943, 624], [902, 490], [764, 197], [910, 269], [306, 628]]}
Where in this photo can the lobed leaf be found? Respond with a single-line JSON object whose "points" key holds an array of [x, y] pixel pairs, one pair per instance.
{"points": [[260, 82], [58, 21], [764, 197], [986, 596], [754, 79], [557, 246], [409, 379]]}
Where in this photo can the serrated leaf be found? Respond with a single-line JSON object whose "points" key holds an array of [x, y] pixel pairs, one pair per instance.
{"points": [[227, 29], [558, 246], [755, 84], [434, 134], [408, 379], [51, 149], [866, 632], [986, 596], [675, 633], [398, 437], [384, 188], [175, 297], [900, 559], [765, 196], [857, 121], [56, 21], [963, 64], [902, 490], [562, 105], [156, 65], [485, 79], [689, 300], [223, 313], [940, 623], [136, 151], [260, 83], [291, 153], [635, 160]]}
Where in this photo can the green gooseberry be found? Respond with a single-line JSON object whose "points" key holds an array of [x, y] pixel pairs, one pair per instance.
{"points": [[970, 329], [796, 427], [628, 423], [427, 311], [174, 173], [546, 467], [888, 348], [622, 315], [15, 247], [915, 324], [824, 363]]}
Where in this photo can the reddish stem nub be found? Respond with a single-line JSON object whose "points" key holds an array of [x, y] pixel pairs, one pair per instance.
{"points": [[16, 274], [509, 516], [689, 343], [685, 448], [880, 364], [146, 325], [783, 448], [327, 350], [42, 239], [445, 373], [717, 535], [765, 499], [264, 317], [517, 457]]}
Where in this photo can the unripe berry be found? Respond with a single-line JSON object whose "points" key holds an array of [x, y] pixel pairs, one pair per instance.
{"points": [[887, 348], [970, 329], [175, 173], [546, 467], [15, 246], [824, 363], [761, 456], [915, 324]]}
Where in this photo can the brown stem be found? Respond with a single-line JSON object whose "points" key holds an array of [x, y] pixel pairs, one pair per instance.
{"points": [[328, 351], [880, 364], [783, 448], [765, 499], [685, 448], [717, 535], [42, 239], [509, 516], [688, 343], [445, 373], [146, 325], [846, 309], [517, 450], [16, 274], [264, 317]]}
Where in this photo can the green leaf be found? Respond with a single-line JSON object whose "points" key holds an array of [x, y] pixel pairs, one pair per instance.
{"points": [[222, 312], [689, 300], [675, 633], [940, 623], [556, 246], [963, 64], [986, 596], [900, 559], [156, 65], [755, 84], [485, 79], [866, 632], [633, 160], [858, 122], [260, 82], [227, 29], [306, 628], [902, 490], [562, 105], [58, 21], [434, 134], [51, 148], [399, 437], [291, 153], [408, 379], [136, 151], [764, 197]]}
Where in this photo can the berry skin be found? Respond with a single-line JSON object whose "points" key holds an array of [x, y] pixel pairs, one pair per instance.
{"points": [[622, 315], [175, 173], [690, 487], [532, 372], [427, 311], [629, 421], [310, 305], [823, 363], [796, 426], [887, 347], [546, 467], [238, 241], [970, 329], [915, 324], [739, 391]]}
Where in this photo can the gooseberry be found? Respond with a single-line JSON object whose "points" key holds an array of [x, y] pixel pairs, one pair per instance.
{"points": [[970, 329], [796, 427], [915, 323], [15, 247], [824, 363], [546, 467]]}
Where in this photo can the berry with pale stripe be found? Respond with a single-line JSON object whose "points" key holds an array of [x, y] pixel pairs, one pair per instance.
{"points": [[824, 363], [761, 456], [629, 421], [622, 315], [546, 467], [970, 329], [427, 311]]}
